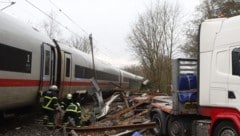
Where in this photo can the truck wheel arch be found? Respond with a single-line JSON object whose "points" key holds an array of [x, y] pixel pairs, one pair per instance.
{"points": [[220, 125], [160, 118]]}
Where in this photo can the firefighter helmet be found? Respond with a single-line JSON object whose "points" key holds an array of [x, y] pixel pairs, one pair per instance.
{"points": [[53, 87], [69, 96]]}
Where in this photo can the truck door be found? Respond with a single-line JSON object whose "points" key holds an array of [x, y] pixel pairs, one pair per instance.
{"points": [[234, 77], [47, 66], [67, 72]]}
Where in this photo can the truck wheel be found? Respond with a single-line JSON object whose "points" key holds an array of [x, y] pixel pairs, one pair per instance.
{"points": [[175, 127], [159, 124], [225, 128]]}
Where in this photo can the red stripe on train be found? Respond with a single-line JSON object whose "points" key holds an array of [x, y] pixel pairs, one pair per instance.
{"points": [[76, 83], [28, 83], [18, 82], [83, 83], [21, 82]]}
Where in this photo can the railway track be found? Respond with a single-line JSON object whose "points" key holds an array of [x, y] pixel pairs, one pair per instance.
{"points": [[25, 122]]}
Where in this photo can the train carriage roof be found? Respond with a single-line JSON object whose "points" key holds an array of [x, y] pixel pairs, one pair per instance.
{"points": [[14, 32]]}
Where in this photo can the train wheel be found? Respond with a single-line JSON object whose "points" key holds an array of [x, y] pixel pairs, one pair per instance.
{"points": [[225, 128], [176, 127], [158, 130]]}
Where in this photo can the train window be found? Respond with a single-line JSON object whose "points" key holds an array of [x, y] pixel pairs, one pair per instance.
{"points": [[47, 62], [79, 71], [125, 79], [14, 59], [67, 67], [88, 73], [106, 76], [83, 72]]}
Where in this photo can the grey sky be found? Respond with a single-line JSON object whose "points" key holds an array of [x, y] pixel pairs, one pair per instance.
{"points": [[109, 21]]}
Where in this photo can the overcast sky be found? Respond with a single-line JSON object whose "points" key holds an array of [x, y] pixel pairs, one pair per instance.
{"points": [[109, 21]]}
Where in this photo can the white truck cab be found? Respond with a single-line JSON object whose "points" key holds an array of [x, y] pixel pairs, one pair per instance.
{"points": [[205, 96]]}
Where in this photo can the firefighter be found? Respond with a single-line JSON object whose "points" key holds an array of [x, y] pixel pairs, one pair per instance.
{"points": [[49, 105], [73, 110], [66, 101]]}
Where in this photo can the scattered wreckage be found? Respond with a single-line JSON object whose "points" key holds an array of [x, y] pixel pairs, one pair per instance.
{"points": [[125, 112]]}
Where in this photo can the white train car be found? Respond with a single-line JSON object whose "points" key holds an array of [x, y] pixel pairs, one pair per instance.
{"points": [[77, 71], [24, 69], [30, 62], [129, 80]]}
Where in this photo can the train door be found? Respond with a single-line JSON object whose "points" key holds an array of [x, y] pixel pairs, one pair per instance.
{"points": [[67, 72], [47, 67]]}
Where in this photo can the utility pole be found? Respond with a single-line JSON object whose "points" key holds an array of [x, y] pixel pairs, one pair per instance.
{"points": [[97, 94], [91, 44]]}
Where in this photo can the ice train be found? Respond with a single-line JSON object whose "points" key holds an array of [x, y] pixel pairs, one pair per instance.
{"points": [[30, 62]]}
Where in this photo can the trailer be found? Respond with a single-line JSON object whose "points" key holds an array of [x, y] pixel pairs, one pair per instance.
{"points": [[205, 92]]}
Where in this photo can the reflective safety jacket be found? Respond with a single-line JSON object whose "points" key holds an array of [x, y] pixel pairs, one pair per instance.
{"points": [[73, 108], [64, 103], [49, 100]]}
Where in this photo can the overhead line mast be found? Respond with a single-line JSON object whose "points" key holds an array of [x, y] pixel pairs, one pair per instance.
{"points": [[91, 44]]}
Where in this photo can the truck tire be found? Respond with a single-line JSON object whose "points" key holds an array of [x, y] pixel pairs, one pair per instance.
{"points": [[176, 127], [159, 119], [225, 128]]}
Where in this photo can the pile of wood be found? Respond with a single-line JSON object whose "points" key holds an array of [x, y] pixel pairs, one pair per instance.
{"points": [[127, 114]]}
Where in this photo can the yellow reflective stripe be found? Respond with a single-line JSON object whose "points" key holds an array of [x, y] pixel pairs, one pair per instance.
{"points": [[47, 97], [71, 110], [49, 102], [50, 124], [48, 108]]}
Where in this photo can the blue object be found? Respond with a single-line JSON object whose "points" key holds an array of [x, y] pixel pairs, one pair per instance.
{"points": [[187, 82], [136, 134], [187, 96]]}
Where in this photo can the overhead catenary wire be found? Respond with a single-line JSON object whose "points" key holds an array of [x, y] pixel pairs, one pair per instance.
{"points": [[68, 17], [82, 29], [50, 17], [65, 27], [11, 3]]}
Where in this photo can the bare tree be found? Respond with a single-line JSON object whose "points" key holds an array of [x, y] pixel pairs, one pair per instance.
{"points": [[135, 69], [50, 26], [206, 10], [81, 43], [153, 38]]}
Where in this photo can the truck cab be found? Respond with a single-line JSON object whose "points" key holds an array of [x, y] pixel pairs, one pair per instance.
{"points": [[205, 96]]}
